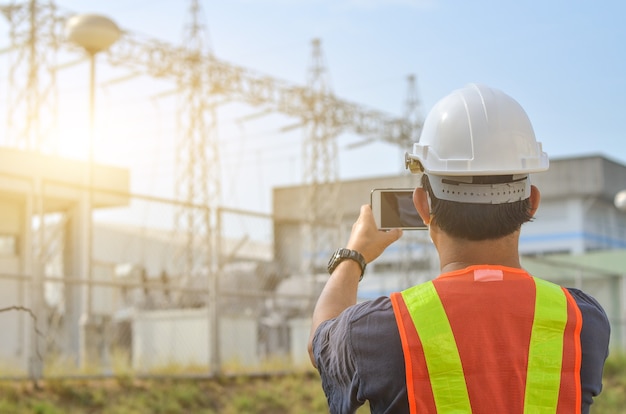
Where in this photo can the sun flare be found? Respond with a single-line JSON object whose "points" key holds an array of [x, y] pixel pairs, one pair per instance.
{"points": [[75, 137]]}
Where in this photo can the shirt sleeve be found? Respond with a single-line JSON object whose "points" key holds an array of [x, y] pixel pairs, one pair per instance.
{"points": [[335, 360], [594, 341]]}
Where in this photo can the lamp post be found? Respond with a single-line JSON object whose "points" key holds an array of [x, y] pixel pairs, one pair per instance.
{"points": [[93, 33]]}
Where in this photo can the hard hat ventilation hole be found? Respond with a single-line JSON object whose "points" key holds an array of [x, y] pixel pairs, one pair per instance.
{"points": [[455, 189]]}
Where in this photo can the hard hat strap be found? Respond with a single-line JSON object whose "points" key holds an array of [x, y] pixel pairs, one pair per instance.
{"points": [[462, 189]]}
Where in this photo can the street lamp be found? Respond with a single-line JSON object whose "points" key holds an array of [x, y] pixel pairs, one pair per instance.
{"points": [[620, 200], [94, 33]]}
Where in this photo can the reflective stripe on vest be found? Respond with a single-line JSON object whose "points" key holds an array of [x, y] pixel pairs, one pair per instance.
{"points": [[545, 355], [443, 362], [442, 356]]}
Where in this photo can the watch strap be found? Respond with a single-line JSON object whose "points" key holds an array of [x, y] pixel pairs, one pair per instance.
{"points": [[344, 254]]}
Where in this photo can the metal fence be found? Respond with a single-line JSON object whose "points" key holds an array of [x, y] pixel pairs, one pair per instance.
{"points": [[152, 302]]}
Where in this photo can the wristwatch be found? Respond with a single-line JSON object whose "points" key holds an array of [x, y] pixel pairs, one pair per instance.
{"points": [[342, 254]]}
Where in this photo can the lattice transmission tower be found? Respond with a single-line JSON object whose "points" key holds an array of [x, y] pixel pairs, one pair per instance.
{"points": [[32, 93], [321, 170], [412, 109], [197, 161], [411, 243]]}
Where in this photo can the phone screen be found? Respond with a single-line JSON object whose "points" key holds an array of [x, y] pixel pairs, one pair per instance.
{"points": [[394, 208]]}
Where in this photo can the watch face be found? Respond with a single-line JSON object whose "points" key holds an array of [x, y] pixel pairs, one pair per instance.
{"points": [[330, 262], [335, 260]]}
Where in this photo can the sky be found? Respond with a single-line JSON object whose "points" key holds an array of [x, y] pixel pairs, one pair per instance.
{"points": [[564, 61]]}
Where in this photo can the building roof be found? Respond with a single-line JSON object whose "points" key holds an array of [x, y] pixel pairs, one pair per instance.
{"points": [[592, 265], [590, 175], [62, 180]]}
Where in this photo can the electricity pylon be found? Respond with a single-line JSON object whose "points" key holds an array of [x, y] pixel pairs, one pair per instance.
{"points": [[34, 42], [198, 172], [321, 169]]}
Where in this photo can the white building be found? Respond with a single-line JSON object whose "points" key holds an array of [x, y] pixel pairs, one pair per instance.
{"points": [[35, 189]]}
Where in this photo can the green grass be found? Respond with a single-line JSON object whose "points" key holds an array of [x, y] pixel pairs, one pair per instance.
{"points": [[295, 393], [299, 393], [612, 400]]}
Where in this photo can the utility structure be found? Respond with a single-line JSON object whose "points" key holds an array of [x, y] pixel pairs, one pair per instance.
{"points": [[408, 243], [198, 173], [197, 157], [412, 110], [34, 35], [321, 176], [202, 78]]}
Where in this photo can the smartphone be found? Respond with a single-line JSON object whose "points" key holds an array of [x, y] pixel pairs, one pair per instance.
{"points": [[394, 208]]}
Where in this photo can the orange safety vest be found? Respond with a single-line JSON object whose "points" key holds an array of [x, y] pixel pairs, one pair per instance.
{"points": [[490, 339]]}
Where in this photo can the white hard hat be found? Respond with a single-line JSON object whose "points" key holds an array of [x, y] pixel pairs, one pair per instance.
{"points": [[477, 131]]}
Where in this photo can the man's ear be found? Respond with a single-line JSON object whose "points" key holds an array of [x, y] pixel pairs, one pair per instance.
{"points": [[422, 204], [535, 197]]}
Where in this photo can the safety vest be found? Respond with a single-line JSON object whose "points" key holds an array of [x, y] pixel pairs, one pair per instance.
{"points": [[490, 339]]}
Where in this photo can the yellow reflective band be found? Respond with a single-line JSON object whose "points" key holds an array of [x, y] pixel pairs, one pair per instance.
{"points": [[440, 351], [543, 378]]}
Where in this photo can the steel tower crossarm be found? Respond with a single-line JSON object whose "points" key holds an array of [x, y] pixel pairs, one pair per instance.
{"points": [[236, 83]]}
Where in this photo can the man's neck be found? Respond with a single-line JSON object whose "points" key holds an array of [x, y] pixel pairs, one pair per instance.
{"points": [[455, 254]]}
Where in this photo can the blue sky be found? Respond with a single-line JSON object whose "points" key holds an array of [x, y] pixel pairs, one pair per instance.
{"points": [[564, 61]]}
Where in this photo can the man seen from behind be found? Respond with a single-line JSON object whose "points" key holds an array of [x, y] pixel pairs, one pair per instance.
{"points": [[484, 336]]}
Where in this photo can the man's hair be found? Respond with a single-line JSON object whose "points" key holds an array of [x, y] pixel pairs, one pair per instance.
{"points": [[476, 222]]}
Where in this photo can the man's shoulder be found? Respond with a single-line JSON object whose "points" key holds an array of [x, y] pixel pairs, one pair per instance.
{"points": [[589, 307], [365, 320], [585, 299], [363, 317], [370, 308]]}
